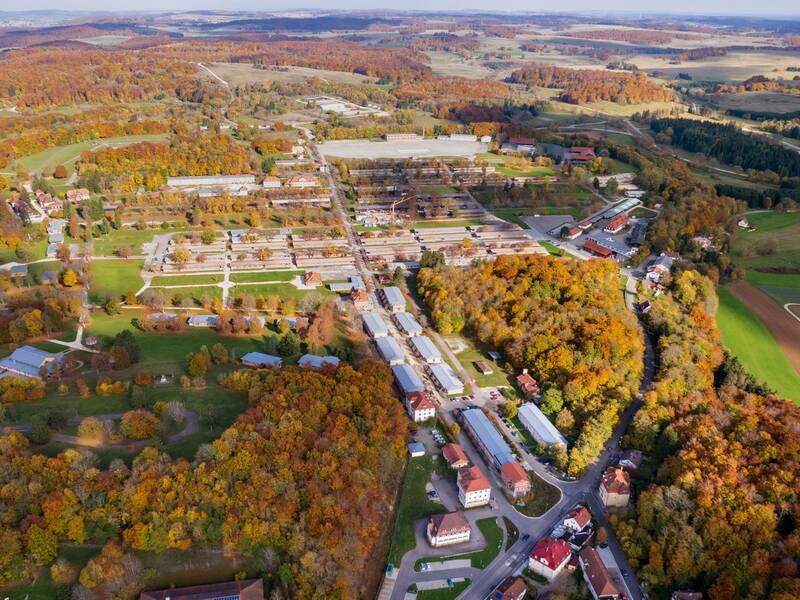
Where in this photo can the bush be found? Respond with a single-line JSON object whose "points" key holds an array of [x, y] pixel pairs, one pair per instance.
{"points": [[40, 432], [138, 424], [106, 387], [139, 397], [91, 428]]}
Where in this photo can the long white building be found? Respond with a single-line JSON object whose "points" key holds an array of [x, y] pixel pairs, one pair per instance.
{"points": [[539, 426]]}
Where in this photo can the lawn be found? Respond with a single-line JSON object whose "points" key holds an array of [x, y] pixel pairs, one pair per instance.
{"points": [[775, 243], [284, 290], [265, 276], [437, 189], [544, 497], [68, 155], [782, 287], [499, 161], [447, 593], [43, 587], [447, 223], [412, 506], [493, 535], [117, 238], [195, 293], [166, 280], [514, 215], [748, 339], [470, 354], [114, 278], [551, 248]]}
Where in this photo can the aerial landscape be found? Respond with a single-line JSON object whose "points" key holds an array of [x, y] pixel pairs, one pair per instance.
{"points": [[399, 302]]}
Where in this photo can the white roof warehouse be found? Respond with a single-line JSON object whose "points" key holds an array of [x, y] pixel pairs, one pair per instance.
{"points": [[539, 425], [446, 379]]}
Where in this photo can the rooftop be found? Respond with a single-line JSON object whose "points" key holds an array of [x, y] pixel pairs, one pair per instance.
{"points": [[616, 481], [445, 523], [539, 425], [390, 350], [317, 362], [447, 379], [407, 379], [551, 552], [596, 573], [394, 297], [425, 347], [488, 434]]}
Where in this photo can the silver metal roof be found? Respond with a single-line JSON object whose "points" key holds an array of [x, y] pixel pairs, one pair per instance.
{"points": [[487, 434], [407, 379], [539, 425], [390, 350], [447, 379], [408, 323], [424, 346], [375, 324], [394, 297]]}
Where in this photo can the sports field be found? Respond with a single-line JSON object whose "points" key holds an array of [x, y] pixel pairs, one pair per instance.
{"points": [[748, 338]]}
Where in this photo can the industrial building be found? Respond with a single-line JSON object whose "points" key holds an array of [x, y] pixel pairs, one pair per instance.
{"points": [[211, 180], [259, 359], [426, 350], [446, 380], [374, 325], [393, 299], [486, 438], [317, 362], [407, 379], [539, 426], [408, 324], [390, 350]]}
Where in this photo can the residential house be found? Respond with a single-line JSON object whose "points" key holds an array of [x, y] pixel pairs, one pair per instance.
{"points": [[638, 234], [393, 299], [573, 233], [515, 479], [577, 519], [473, 488], [455, 456], [246, 589], [630, 460], [660, 266], [580, 155], [420, 406], [597, 576], [360, 299], [27, 362], [528, 385], [448, 529], [78, 195], [259, 360], [390, 350], [549, 557], [615, 487], [512, 588], [374, 324], [312, 278]]}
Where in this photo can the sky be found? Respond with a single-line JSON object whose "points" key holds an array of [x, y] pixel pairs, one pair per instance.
{"points": [[707, 7]]}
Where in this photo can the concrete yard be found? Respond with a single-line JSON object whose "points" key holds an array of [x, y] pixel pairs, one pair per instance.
{"points": [[401, 148]]}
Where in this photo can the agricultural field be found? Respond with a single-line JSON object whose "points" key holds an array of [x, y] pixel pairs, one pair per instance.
{"points": [[781, 287], [244, 73], [747, 338], [758, 101], [775, 243], [69, 155]]}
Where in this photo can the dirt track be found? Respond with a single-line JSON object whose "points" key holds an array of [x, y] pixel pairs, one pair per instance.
{"points": [[780, 323]]}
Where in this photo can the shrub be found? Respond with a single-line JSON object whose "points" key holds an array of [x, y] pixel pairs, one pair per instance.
{"points": [[138, 425], [91, 428]]}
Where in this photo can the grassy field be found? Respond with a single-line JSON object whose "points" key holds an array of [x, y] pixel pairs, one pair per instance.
{"points": [[114, 277], [493, 535], [117, 238], [447, 593], [243, 73], [782, 287], [470, 354], [165, 280], [758, 101], [501, 161], [544, 496], [413, 505], [265, 276], [775, 243], [746, 337], [284, 290], [68, 155]]}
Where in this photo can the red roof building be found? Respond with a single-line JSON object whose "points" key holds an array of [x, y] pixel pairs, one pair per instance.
{"points": [[617, 224], [312, 278], [549, 557], [522, 141], [448, 528], [360, 298], [615, 487], [578, 518], [473, 488], [455, 457], [581, 154], [593, 247], [513, 588], [515, 479], [528, 385], [420, 406], [596, 575]]}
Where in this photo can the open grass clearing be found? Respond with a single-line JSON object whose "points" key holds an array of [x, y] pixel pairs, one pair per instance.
{"points": [[782, 287], [470, 353], [480, 559], [775, 243], [265, 276], [244, 73], [167, 280], [413, 505], [133, 239], [749, 340], [544, 496], [446, 593], [767, 101], [284, 290], [69, 155], [114, 278]]}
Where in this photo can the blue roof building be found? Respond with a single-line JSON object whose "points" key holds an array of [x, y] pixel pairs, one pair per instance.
{"points": [[407, 379], [317, 362], [486, 438], [446, 380], [28, 362], [407, 323], [426, 350], [390, 350], [259, 359], [374, 324], [202, 321]]}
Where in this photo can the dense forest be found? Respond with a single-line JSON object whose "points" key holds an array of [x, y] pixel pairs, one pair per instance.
{"points": [[302, 482], [729, 144], [562, 320], [583, 85], [722, 512]]}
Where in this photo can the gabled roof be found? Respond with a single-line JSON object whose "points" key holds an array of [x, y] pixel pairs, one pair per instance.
{"points": [[317, 362], [448, 523], [420, 401], [470, 479], [581, 516], [596, 573], [513, 474], [616, 481], [453, 454], [511, 588], [551, 552], [262, 360], [248, 589]]}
